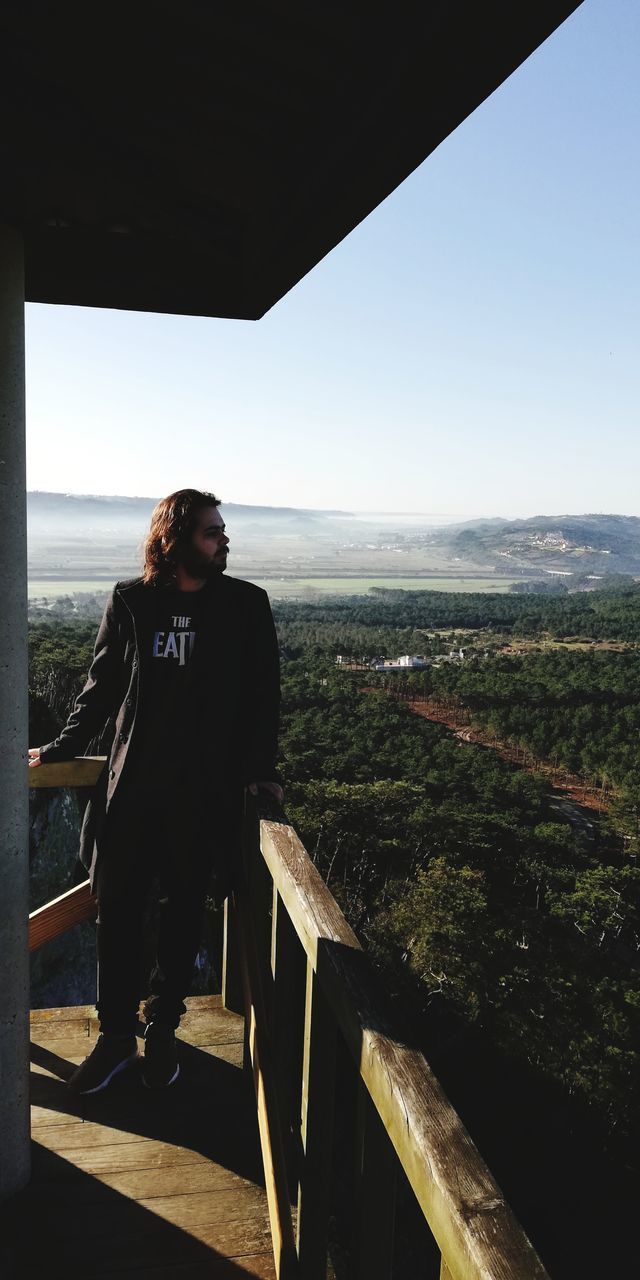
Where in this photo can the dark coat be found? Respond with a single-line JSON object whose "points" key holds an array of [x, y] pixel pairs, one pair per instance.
{"points": [[237, 672]]}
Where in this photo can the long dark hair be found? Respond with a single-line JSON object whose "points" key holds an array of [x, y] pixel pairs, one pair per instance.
{"points": [[172, 524]]}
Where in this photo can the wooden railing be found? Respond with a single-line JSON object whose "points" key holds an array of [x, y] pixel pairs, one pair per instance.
{"points": [[307, 980], [295, 968], [78, 904]]}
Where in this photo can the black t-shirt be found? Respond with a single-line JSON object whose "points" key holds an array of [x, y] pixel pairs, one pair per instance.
{"points": [[170, 727]]}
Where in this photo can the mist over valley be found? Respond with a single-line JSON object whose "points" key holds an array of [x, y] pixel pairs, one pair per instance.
{"points": [[81, 544]]}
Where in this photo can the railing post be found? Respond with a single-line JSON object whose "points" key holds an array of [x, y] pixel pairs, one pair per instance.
{"points": [[375, 1193], [288, 968], [14, 801], [259, 884], [231, 978], [318, 1095], [260, 1058]]}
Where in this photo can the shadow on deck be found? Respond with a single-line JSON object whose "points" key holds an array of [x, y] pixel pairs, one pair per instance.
{"points": [[209, 1178], [134, 1182]]}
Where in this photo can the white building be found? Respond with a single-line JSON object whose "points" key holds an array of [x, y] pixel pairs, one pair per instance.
{"points": [[406, 662]]}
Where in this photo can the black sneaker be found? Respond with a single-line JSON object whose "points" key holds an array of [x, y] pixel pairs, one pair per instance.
{"points": [[110, 1055], [161, 1066]]}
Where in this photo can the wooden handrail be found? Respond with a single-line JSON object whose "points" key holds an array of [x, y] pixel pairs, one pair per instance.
{"points": [[402, 1103], [78, 904], [84, 771], [269, 1123], [477, 1234], [55, 917]]}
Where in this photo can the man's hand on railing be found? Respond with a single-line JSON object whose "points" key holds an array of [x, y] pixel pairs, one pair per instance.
{"points": [[273, 787], [34, 756]]}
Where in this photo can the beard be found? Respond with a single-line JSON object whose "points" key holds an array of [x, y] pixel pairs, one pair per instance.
{"points": [[198, 566]]}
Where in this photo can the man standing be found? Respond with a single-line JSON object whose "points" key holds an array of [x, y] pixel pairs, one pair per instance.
{"points": [[183, 696]]}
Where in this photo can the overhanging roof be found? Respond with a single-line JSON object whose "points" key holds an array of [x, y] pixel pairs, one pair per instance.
{"points": [[199, 157]]}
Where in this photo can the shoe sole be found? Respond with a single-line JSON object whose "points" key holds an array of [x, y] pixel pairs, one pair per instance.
{"points": [[107, 1080], [162, 1086]]}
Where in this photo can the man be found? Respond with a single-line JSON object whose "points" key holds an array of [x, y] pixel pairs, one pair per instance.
{"points": [[183, 696]]}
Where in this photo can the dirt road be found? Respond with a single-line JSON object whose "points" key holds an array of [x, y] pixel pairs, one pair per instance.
{"points": [[563, 784]]}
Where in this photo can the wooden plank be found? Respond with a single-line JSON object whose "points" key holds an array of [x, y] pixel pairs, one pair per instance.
{"points": [[120, 1157], [222, 1206], [200, 1004], [260, 1266], [374, 1211], [90, 1134], [445, 1273], [52, 1034], [466, 1211], [79, 1041], [83, 771], [199, 1009], [269, 1126], [190, 1212], [289, 970], [75, 1013], [61, 1029], [136, 1183], [231, 1053], [220, 1030], [259, 896], [318, 1094], [130, 1250], [112, 1172], [232, 999], [212, 1026], [56, 917], [41, 1116], [65, 1048], [146, 1184], [55, 1074], [197, 1006]]}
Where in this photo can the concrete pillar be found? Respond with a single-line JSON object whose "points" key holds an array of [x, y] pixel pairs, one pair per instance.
{"points": [[14, 807]]}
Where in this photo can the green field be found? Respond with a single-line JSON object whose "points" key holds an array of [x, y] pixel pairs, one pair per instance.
{"points": [[68, 587], [303, 588], [300, 588], [289, 588]]}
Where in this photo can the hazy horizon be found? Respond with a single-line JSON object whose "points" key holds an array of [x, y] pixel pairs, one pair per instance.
{"points": [[371, 513]]}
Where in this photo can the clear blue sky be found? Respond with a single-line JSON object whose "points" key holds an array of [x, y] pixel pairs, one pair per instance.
{"points": [[472, 348]]}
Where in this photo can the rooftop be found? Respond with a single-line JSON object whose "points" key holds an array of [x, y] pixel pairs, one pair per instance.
{"points": [[201, 159]]}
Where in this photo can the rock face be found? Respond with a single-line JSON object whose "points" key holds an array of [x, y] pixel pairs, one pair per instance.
{"points": [[63, 971]]}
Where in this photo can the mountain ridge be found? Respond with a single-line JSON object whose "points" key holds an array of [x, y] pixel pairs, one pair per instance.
{"points": [[72, 533]]}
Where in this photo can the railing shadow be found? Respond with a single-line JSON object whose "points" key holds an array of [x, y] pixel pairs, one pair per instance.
{"points": [[68, 1223], [207, 1112]]}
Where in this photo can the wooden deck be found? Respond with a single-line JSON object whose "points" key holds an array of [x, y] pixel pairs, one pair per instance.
{"points": [[131, 1182]]}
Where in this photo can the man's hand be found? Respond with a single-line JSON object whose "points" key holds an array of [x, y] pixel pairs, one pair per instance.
{"points": [[34, 756], [273, 787]]}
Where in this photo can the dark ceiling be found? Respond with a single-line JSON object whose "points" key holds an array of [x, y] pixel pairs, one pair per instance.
{"points": [[200, 157]]}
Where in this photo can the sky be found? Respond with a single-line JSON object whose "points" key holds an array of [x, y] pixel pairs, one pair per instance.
{"points": [[471, 349]]}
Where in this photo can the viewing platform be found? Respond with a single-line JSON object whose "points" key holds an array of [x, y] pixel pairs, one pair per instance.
{"points": [[299, 1130], [131, 1181]]}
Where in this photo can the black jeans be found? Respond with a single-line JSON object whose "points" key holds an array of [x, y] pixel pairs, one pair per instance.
{"points": [[169, 839]]}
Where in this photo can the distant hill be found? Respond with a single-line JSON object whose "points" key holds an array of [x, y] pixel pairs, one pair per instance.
{"points": [[99, 537], [75, 508], [569, 545], [96, 538]]}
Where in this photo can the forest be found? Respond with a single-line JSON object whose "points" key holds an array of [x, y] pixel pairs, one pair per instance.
{"points": [[507, 935], [586, 615]]}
